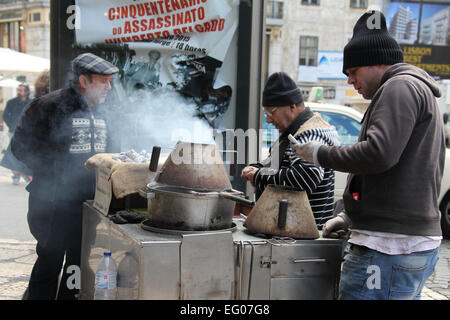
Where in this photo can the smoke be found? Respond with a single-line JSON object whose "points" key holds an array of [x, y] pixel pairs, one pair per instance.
{"points": [[160, 98], [161, 117]]}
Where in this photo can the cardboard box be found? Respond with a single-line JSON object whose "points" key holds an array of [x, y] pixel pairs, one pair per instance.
{"points": [[106, 200], [118, 183]]}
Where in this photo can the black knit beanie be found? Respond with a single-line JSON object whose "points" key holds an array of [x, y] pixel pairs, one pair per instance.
{"points": [[371, 43], [280, 90]]}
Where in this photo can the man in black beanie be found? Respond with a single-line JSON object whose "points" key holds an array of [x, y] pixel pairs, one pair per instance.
{"points": [[284, 108], [391, 198]]}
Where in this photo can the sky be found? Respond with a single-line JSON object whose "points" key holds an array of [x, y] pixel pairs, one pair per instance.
{"points": [[430, 9]]}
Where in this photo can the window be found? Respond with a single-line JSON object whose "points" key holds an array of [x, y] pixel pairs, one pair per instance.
{"points": [[12, 35], [329, 93], [360, 4], [36, 16], [311, 2], [347, 128], [274, 9], [308, 51]]}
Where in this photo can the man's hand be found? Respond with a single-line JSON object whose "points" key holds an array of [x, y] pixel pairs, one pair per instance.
{"points": [[333, 225], [248, 174], [308, 151]]}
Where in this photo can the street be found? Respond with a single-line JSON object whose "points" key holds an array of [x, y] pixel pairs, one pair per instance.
{"points": [[17, 247]]}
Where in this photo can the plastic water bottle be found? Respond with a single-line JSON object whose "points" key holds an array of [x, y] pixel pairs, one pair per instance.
{"points": [[126, 277], [106, 278]]}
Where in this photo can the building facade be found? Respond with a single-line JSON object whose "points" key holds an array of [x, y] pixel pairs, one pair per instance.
{"points": [[403, 26], [306, 39], [25, 26], [441, 28]]}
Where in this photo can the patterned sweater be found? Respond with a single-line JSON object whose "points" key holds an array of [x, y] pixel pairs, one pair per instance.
{"points": [[57, 133], [290, 170]]}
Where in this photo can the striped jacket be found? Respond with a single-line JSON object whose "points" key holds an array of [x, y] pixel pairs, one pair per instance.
{"points": [[290, 170]]}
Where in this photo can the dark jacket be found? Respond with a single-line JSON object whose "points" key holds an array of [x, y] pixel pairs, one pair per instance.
{"points": [[55, 136], [10, 162], [397, 165], [12, 112]]}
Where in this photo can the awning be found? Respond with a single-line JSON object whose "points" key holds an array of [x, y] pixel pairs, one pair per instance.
{"points": [[9, 83], [12, 61]]}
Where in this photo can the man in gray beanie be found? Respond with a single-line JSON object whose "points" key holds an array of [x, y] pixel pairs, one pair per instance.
{"points": [[57, 133], [395, 171], [284, 108]]}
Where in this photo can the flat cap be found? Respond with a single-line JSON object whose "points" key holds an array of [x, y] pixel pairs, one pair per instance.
{"points": [[90, 63]]}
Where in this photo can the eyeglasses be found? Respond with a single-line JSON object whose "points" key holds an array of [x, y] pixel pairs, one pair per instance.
{"points": [[270, 113]]}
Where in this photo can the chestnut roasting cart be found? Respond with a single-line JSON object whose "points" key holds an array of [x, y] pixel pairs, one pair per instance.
{"points": [[221, 264]]}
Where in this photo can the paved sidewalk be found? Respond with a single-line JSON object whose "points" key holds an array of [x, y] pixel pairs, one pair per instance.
{"points": [[17, 259], [438, 284]]}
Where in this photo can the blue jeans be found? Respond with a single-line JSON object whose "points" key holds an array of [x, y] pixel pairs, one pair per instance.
{"points": [[371, 275]]}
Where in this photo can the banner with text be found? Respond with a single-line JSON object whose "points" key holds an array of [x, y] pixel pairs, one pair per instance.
{"points": [[330, 65], [432, 59], [176, 61], [201, 27]]}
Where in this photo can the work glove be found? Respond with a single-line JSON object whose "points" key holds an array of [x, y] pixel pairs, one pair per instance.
{"points": [[308, 151], [336, 227]]}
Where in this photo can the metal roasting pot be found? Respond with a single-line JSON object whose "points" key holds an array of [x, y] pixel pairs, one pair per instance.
{"points": [[186, 209], [191, 197]]}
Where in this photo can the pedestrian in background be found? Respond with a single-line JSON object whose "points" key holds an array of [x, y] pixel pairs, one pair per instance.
{"points": [[42, 84], [57, 133], [391, 197], [15, 106], [11, 116]]}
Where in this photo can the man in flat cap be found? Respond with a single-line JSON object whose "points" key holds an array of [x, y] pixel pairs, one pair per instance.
{"points": [[395, 171], [56, 134], [284, 108]]}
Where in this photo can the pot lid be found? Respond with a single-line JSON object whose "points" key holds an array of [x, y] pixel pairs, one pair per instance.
{"points": [[195, 166], [299, 222]]}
